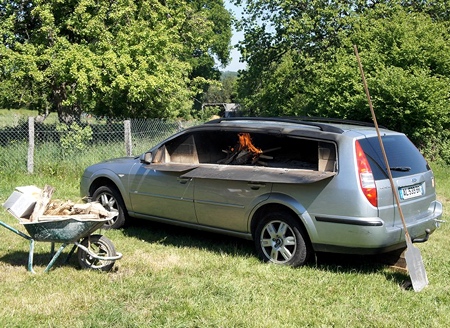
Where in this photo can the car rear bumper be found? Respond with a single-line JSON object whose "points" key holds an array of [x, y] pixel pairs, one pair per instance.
{"points": [[370, 235]]}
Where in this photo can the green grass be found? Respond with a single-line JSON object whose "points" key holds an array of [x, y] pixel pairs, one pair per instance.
{"points": [[12, 117], [172, 277]]}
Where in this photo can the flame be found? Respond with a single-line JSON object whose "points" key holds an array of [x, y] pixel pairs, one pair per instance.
{"points": [[245, 142]]}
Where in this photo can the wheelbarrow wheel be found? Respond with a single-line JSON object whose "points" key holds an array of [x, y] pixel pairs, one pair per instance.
{"points": [[100, 246]]}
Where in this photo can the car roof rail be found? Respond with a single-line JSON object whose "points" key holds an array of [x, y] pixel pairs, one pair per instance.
{"points": [[296, 120], [319, 122], [335, 120]]}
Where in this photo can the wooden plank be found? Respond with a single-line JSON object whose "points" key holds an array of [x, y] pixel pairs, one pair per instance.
{"points": [[41, 204], [46, 218]]}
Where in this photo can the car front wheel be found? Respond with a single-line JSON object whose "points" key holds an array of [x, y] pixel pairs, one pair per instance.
{"points": [[111, 200], [280, 239]]}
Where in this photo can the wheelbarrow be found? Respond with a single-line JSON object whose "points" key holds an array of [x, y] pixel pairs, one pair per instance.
{"points": [[95, 251]]}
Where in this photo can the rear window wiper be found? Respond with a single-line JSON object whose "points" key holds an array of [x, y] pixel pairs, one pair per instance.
{"points": [[400, 168]]}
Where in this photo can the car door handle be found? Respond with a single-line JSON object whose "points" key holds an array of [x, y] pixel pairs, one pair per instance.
{"points": [[183, 180], [256, 185]]}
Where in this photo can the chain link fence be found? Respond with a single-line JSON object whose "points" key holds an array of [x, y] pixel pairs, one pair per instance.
{"points": [[32, 145]]}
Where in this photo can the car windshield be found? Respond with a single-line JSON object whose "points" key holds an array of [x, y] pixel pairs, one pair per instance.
{"points": [[403, 157]]}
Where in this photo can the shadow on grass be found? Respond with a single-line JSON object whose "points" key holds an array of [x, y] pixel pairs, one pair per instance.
{"points": [[387, 264], [154, 232], [169, 235], [40, 259]]}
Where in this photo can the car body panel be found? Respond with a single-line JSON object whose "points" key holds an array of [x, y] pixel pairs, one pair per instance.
{"points": [[117, 171], [257, 173], [155, 191], [225, 203]]}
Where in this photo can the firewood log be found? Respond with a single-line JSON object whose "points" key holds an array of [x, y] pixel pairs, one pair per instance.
{"points": [[42, 202]]}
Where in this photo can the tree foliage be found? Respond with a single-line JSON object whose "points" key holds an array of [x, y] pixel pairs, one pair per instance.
{"points": [[132, 58], [224, 91], [300, 61]]}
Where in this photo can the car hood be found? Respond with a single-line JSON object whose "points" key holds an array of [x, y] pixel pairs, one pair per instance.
{"points": [[120, 165], [120, 160]]}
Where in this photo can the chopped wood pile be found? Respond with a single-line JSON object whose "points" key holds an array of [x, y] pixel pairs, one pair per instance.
{"points": [[47, 209], [65, 208]]}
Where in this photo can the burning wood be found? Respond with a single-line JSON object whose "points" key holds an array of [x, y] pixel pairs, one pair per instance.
{"points": [[244, 152], [245, 144]]}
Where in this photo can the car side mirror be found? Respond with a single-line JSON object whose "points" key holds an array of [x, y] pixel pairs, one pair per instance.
{"points": [[146, 158]]}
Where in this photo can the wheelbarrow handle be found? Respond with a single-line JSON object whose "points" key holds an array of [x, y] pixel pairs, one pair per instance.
{"points": [[31, 240]]}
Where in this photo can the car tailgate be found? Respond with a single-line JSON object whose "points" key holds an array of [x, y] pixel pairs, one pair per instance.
{"points": [[416, 194]]}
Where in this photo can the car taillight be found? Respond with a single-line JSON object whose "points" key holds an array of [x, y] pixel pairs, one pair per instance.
{"points": [[366, 178]]}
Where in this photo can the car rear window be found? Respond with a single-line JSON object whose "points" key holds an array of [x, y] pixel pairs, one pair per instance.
{"points": [[403, 157]]}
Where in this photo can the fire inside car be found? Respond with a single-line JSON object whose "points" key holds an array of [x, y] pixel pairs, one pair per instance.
{"points": [[249, 156]]}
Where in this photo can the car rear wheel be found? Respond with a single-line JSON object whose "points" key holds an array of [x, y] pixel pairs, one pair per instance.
{"points": [[280, 239], [111, 200]]}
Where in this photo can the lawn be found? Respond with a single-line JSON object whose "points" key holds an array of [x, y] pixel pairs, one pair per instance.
{"points": [[173, 277]]}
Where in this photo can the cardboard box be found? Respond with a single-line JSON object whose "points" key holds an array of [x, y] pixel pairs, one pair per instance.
{"points": [[22, 201]]}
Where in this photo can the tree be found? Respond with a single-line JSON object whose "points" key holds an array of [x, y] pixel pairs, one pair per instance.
{"points": [[131, 58], [300, 62], [223, 91], [216, 22]]}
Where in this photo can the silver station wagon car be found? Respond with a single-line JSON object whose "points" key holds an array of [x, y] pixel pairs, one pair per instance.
{"points": [[293, 186]]}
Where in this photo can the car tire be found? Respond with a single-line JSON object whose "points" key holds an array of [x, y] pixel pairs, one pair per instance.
{"points": [[281, 239], [111, 200], [100, 246]]}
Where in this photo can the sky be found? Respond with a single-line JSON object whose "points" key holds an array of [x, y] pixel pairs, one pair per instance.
{"points": [[234, 65]]}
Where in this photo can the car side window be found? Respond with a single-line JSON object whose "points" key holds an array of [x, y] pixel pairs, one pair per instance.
{"points": [[250, 149], [179, 150]]}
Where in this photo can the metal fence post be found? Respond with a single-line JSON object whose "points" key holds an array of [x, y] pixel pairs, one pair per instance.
{"points": [[30, 161], [128, 144]]}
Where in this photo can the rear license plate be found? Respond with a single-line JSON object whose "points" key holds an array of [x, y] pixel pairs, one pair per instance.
{"points": [[411, 191]]}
